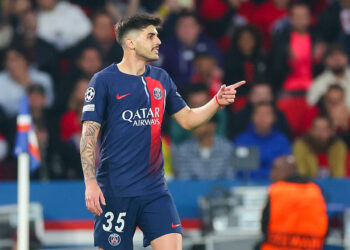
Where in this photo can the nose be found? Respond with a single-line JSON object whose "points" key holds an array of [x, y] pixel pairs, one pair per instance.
{"points": [[158, 41]]}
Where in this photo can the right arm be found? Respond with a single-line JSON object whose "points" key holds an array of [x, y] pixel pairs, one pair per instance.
{"points": [[88, 142]]}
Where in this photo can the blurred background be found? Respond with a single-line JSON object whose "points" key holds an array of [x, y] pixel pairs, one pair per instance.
{"points": [[293, 54]]}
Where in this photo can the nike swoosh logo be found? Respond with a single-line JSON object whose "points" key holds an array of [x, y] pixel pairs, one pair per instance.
{"points": [[122, 96], [174, 226]]}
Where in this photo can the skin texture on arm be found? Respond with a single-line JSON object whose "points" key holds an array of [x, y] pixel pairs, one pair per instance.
{"points": [[191, 118], [88, 142]]}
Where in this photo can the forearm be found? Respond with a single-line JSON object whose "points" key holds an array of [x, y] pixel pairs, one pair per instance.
{"points": [[198, 116], [88, 144]]}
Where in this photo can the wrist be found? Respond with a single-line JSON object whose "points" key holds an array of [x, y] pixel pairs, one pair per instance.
{"points": [[90, 181], [217, 101]]}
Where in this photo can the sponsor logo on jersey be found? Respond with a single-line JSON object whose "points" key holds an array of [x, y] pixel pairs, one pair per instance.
{"points": [[157, 93], [114, 239], [122, 96], [142, 117], [89, 94]]}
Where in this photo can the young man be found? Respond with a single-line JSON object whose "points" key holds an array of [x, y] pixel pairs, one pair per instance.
{"points": [[127, 101]]}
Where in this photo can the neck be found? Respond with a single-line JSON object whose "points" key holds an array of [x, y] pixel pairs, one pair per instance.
{"points": [[262, 132], [206, 141], [132, 65]]}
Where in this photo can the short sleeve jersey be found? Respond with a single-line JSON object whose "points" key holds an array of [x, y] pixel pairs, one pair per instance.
{"points": [[130, 110]]}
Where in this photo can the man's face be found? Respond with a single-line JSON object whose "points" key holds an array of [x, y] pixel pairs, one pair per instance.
{"points": [[147, 43], [80, 89], [321, 130], [260, 93], [37, 100], [90, 61], [300, 18], [198, 99], [264, 118], [345, 4], [29, 22], [102, 28], [337, 61], [187, 30], [333, 98], [15, 62], [282, 4]]}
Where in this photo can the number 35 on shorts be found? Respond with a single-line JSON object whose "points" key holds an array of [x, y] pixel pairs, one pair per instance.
{"points": [[120, 223]]}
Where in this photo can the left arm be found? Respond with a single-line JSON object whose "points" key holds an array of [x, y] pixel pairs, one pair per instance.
{"points": [[191, 118]]}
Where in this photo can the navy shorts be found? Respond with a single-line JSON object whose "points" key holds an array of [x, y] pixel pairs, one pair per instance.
{"points": [[154, 214]]}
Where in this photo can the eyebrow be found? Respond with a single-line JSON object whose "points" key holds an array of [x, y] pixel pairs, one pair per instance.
{"points": [[152, 33]]}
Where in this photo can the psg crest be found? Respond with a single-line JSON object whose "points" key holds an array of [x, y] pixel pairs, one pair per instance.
{"points": [[114, 239], [89, 94], [157, 93]]}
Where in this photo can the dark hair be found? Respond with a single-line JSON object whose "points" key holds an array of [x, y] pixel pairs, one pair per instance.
{"points": [[299, 4], [194, 88], [101, 13], [335, 87], [324, 117], [136, 22], [252, 30], [36, 88], [18, 50], [186, 13], [334, 48]]}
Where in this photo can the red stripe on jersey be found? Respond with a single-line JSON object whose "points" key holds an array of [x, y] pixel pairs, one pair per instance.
{"points": [[156, 91]]}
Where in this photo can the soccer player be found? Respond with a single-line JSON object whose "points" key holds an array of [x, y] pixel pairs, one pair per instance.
{"points": [[126, 102]]}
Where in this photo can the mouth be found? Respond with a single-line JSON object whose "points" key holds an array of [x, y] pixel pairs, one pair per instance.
{"points": [[156, 49]]}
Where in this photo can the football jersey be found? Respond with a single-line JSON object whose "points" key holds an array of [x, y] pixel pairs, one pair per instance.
{"points": [[130, 110]]}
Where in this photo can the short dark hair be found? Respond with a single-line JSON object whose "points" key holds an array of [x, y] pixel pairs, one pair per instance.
{"points": [[194, 88], [36, 88], [334, 48], [136, 22]]}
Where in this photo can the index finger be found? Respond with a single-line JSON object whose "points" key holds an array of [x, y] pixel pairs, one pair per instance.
{"points": [[236, 85]]}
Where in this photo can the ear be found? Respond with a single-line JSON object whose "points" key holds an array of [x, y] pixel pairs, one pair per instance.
{"points": [[130, 43]]}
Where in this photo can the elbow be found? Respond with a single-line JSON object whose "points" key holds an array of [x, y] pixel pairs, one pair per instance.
{"points": [[187, 126]]}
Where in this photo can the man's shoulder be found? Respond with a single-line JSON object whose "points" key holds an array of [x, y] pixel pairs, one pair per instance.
{"points": [[158, 70]]}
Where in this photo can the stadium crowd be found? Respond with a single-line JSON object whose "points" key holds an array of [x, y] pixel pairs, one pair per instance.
{"points": [[293, 54]]}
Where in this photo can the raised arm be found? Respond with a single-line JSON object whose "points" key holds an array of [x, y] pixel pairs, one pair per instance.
{"points": [[88, 142], [190, 118]]}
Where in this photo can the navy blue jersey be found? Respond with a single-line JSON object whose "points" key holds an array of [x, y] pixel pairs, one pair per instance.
{"points": [[130, 110]]}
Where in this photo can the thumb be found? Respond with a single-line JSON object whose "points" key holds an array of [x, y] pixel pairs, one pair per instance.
{"points": [[102, 199]]}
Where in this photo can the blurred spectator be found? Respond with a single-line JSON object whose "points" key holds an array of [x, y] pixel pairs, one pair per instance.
{"points": [[295, 216], [206, 156], [70, 130], [339, 113], [292, 55], [269, 16], [16, 77], [196, 95], [62, 23], [221, 18], [177, 55], [40, 53], [337, 72], [102, 37], [207, 71], [334, 24], [263, 134], [3, 148], [320, 153], [88, 63], [245, 61], [45, 126], [119, 9], [259, 93]]}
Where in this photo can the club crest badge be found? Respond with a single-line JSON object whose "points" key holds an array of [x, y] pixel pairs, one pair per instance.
{"points": [[114, 239], [157, 93]]}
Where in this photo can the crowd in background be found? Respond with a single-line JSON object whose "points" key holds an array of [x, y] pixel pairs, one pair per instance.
{"points": [[293, 54]]}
